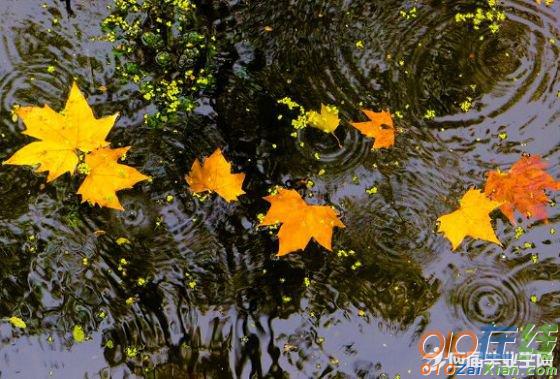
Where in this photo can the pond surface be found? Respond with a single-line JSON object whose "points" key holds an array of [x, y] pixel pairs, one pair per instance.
{"points": [[216, 302]]}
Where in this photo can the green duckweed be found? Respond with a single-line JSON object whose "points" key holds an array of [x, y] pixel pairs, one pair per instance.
{"points": [[154, 39]]}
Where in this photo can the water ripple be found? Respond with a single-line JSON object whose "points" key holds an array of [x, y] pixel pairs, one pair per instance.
{"points": [[490, 295]]}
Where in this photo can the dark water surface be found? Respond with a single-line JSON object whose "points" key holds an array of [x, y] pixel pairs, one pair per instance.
{"points": [[217, 302]]}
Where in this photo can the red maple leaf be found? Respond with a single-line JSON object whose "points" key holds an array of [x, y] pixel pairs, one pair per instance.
{"points": [[522, 188]]}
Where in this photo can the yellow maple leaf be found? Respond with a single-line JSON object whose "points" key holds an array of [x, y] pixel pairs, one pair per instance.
{"points": [[61, 135], [105, 176], [300, 222], [380, 126], [471, 219], [215, 175], [327, 120]]}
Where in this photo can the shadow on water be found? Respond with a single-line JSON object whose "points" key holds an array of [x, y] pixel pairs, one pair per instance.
{"points": [[196, 290]]}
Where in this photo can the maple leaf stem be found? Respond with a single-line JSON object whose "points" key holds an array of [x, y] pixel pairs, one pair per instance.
{"points": [[337, 140]]}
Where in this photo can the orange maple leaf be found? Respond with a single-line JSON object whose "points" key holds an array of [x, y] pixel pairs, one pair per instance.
{"points": [[300, 222], [105, 176], [380, 126], [215, 175], [522, 188]]}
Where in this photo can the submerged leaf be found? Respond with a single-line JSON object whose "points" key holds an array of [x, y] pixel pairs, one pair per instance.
{"points": [[215, 175], [300, 222], [470, 220]]}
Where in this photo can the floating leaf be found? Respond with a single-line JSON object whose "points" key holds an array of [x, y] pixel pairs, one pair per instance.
{"points": [[105, 177], [470, 220], [61, 135], [17, 322], [380, 126], [327, 120], [300, 222], [78, 334], [522, 188], [215, 175], [122, 241]]}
